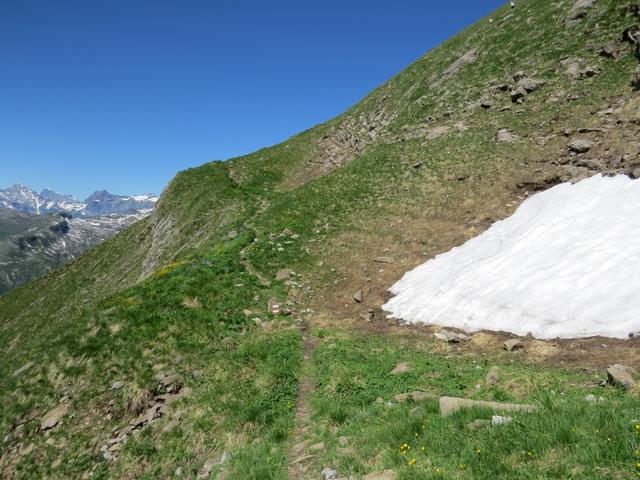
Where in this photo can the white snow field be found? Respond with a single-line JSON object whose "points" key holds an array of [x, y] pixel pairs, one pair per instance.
{"points": [[566, 264]]}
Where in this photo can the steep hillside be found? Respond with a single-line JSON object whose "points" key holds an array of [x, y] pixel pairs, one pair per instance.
{"points": [[161, 352]]}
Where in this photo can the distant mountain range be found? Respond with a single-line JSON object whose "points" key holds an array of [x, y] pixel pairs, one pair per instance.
{"points": [[24, 199], [42, 231]]}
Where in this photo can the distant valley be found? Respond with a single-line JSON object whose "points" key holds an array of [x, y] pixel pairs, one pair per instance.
{"points": [[42, 231]]}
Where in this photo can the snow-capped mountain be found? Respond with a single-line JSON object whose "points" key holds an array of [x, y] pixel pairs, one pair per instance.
{"points": [[22, 198], [42, 231], [45, 242]]}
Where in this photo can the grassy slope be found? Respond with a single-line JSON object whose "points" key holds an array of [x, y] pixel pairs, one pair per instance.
{"points": [[90, 324]]}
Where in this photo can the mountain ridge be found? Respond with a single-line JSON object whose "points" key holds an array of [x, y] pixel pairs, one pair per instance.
{"points": [[244, 315]]}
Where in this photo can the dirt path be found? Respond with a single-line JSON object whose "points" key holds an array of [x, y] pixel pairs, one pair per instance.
{"points": [[299, 458]]}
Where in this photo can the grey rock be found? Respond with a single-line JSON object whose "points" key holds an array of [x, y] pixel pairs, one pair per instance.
{"points": [[519, 75], [450, 405], [505, 136], [450, 337], [621, 375], [358, 297], [205, 471], [329, 474], [512, 344], [174, 379], [402, 367], [591, 398], [583, 4], [469, 57], [518, 94], [22, 369], [531, 84], [580, 146], [610, 50], [500, 420], [53, 417], [384, 259], [492, 376], [117, 385]]}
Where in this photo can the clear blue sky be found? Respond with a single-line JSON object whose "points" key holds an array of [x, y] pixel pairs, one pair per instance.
{"points": [[123, 94]]}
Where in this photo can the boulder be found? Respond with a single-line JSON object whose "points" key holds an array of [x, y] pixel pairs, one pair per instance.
{"points": [[450, 405], [610, 50], [519, 75], [580, 146], [590, 163], [450, 337], [402, 367], [358, 297], [631, 34], [117, 385], [512, 344], [621, 375], [53, 417]]}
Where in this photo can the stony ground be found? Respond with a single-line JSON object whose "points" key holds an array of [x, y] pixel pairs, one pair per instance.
{"points": [[237, 332]]}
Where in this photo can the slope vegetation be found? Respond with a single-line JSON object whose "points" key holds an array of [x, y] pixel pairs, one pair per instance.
{"points": [[162, 352]]}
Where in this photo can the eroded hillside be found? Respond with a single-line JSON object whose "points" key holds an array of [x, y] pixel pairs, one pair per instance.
{"points": [[160, 353]]}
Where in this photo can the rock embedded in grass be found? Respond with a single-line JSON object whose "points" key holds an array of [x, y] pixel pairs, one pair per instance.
{"points": [[621, 376], [450, 405], [580, 145], [416, 396], [512, 344], [329, 474], [403, 367], [54, 416], [450, 337], [492, 376], [358, 297]]}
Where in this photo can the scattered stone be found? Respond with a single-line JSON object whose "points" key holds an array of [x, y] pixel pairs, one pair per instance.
{"points": [[492, 376], [53, 417], [519, 75], [531, 84], [505, 136], [574, 19], [484, 340], [589, 71], [590, 163], [416, 396], [329, 474], [450, 337], [449, 405], [117, 385], [621, 375], [610, 50], [192, 302], [500, 420], [518, 94], [512, 344], [580, 146], [403, 367], [631, 34], [22, 369], [477, 424], [469, 57], [283, 273], [384, 259], [205, 471], [591, 398], [172, 380], [358, 297], [385, 475]]}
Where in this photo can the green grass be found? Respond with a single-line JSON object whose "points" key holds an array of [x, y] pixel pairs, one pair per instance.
{"points": [[118, 310], [568, 437]]}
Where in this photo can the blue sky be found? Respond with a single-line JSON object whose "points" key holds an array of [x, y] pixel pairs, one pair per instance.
{"points": [[123, 94]]}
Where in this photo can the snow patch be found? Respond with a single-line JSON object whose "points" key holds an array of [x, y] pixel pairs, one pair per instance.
{"points": [[566, 264]]}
